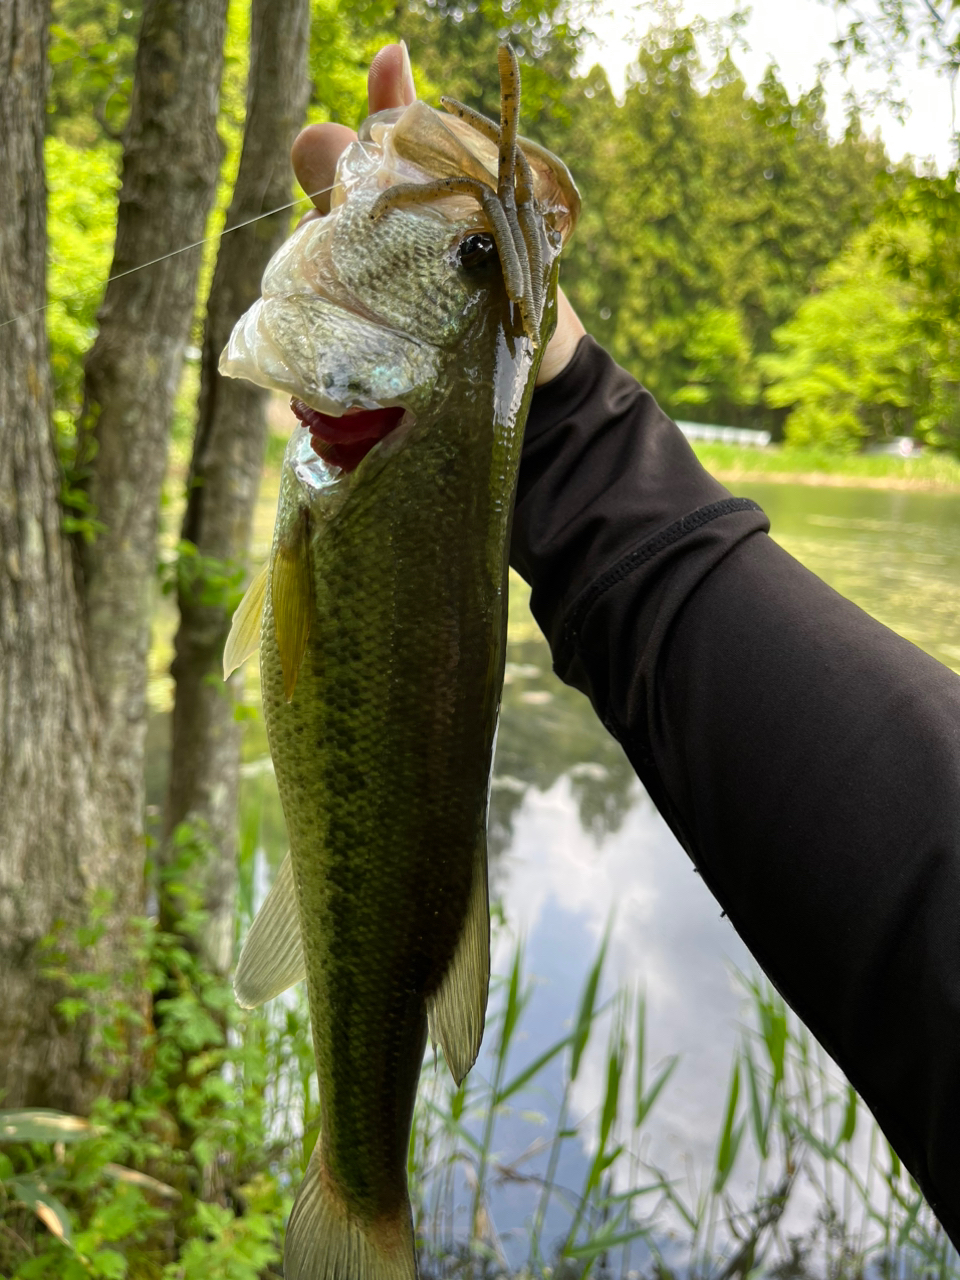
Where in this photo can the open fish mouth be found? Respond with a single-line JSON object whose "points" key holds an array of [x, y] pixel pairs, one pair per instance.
{"points": [[373, 307], [346, 440]]}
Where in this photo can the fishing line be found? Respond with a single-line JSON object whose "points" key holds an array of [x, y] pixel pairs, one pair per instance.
{"points": [[217, 235]]}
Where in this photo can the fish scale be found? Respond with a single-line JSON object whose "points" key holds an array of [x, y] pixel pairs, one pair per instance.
{"points": [[400, 719], [381, 621]]}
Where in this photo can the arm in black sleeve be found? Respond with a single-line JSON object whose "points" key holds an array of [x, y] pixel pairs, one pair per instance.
{"points": [[806, 757]]}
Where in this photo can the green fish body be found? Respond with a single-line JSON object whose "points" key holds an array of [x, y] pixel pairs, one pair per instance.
{"points": [[382, 627]]}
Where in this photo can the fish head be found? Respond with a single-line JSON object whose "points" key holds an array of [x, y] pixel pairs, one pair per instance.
{"points": [[401, 298]]}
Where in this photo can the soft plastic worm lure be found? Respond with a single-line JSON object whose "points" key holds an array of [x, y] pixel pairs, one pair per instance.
{"points": [[509, 210]]}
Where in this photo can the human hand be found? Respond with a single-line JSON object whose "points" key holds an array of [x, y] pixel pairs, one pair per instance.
{"points": [[318, 148]]}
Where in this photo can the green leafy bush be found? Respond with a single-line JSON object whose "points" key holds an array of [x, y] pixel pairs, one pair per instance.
{"points": [[81, 212], [849, 360], [183, 1176]]}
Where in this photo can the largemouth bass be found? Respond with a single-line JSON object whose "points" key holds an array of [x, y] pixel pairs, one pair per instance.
{"points": [[408, 325]]}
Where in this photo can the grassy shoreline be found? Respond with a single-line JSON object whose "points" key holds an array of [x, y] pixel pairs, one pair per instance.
{"points": [[930, 472]]}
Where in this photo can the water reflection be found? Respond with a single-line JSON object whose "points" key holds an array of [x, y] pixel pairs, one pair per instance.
{"points": [[896, 554], [547, 732]]}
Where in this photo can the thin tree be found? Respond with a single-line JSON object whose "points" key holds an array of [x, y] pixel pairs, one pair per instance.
{"points": [[224, 477]]}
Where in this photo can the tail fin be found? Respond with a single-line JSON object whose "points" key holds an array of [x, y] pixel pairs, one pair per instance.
{"points": [[325, 1241]]}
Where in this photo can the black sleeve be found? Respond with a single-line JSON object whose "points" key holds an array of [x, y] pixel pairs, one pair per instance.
{"points": [[807, 758]]}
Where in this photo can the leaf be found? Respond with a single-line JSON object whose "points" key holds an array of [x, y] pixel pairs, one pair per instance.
{"points": [[134, 1178], [587, 1010], [760, 1124], [730, 1136], [646, 1101], [48, 1208], [454, 1126], [849, 1124], [603, 1241], [611, 1098], [904, 1233], [528, 1072], [41, 1124], [516, 999]]}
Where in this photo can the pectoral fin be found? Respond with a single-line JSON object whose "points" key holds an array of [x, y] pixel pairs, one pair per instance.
{"points": [[272, 956], [456, 1011], [244, 637], [292, 596]]}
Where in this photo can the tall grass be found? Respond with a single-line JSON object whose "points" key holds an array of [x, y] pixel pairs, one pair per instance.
{"points": [[801, 1183]]}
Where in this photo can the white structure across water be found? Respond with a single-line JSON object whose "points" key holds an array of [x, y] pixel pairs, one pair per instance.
{"points": [[742, 436]]}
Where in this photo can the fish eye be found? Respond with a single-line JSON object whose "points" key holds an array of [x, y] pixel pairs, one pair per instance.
{"points": [[476, 250]]}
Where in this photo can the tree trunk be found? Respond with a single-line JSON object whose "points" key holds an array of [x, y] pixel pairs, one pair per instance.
{"points": [[225, 473], [170, 168], [57, 818]]}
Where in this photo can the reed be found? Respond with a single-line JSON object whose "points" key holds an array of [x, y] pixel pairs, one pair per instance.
{"points": [[802, 1183]]}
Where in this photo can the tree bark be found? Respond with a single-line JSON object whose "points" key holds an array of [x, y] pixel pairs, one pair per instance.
{"points": [[57, 815], [225, 473], [170, 168]]}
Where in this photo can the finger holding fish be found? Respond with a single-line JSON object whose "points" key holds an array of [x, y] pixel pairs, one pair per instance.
{"points": [[318, 147]]}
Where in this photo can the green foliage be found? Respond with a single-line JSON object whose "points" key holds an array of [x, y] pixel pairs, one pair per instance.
{"points": [[187, 1177], [920, 240], [82, 184], [343, 38], [455, 44], [203, 580], [707, 211], [181, 1177], [720, 360], [849, 360], [876, 351], [228, 1247], [92, 48], [71, 1207], [782, 1101]]}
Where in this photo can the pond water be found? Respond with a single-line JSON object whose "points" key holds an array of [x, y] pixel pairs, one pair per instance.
{"points": [[577, 846], [578, 842]]}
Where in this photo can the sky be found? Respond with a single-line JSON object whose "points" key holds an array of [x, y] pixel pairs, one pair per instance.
{"points": [[796, 34]]}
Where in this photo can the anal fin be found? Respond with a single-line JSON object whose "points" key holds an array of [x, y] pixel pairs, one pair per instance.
{"points": [[271, 959], [457, 1009], [325, 1241]]}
